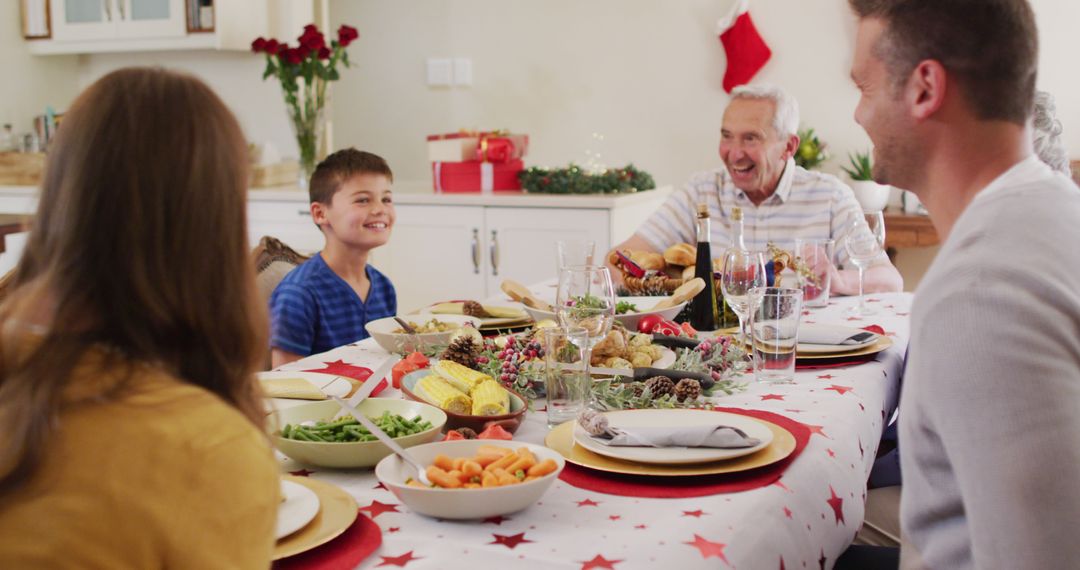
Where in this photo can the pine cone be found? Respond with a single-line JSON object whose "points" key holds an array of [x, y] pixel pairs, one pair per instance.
{"points": [[687, 389], [474, 309], [660, 386], [463, 350], [637, 389]]}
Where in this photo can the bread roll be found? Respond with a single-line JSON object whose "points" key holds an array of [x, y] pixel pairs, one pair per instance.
{"points": [[648, 260], [681, 254], [688, 272]]}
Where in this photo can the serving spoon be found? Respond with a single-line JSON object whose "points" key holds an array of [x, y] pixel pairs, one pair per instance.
{"points": [[421, 473]]}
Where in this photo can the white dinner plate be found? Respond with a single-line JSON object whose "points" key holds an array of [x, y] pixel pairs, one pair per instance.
{"points": [[813, 348], [330, 384], [675, 418], [299, 508]]}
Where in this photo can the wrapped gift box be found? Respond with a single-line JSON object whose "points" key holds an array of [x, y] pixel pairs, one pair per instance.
{"points": [[493, 146], [476, 176]]}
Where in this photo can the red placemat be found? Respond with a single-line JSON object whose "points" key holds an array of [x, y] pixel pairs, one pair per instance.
{"points": [[839, 361], [346, 551], [695, 486]]}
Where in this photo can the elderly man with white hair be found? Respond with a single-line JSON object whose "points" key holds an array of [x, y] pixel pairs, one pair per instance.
{"points": [[780, 200]]}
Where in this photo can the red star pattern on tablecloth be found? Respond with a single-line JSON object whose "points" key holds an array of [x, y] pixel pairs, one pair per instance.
{"points": [[394, 529], [840, 389], [787, 512], [826, 377], [614, 517], [640, 527], [709, 548], [782, 567], [696, 514], [380, 486], [509, 541], [830, 452], [862, 407], [377, 508], [497, 519], [821, 561], [398, 560], [341, 368], [818, 430], [587, 503], [781, 484], [301, 473], [837, 505], [772, 397], [861, 452], [599, 561]]}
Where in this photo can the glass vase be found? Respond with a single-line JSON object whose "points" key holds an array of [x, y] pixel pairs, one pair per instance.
{"points": [[309, 129]]}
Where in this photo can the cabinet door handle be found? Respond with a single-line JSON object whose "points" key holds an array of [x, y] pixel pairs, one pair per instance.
{"points": [[303, 212], [476, 250], [494, 252]]}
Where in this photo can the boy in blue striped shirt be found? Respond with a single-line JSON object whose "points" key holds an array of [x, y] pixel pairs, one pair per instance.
{"points": [[325, 302]]}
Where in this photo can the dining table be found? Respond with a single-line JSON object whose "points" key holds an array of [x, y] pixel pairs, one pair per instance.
{"points": [[804, 518]]}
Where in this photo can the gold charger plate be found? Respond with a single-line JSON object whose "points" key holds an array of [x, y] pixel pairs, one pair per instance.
{"points": [[561, 439], [883, 343], [337, 510]]}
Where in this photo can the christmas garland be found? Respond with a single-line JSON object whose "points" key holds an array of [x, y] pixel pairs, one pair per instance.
{"points": [[575, 180]]}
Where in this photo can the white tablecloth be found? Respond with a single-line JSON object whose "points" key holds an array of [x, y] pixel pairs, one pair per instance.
{"points": [[805, 520]]}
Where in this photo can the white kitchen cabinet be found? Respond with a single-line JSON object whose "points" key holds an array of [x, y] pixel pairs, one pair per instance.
{"points": [[74, 20], [521, 241], [102, 26], [287, 220]]}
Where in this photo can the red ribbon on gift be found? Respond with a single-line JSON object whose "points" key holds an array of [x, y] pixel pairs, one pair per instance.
{"points": [[495, 149]]}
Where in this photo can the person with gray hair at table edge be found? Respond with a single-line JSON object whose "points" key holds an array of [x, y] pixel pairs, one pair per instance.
{"points": [[992, 384], [780, 200]]}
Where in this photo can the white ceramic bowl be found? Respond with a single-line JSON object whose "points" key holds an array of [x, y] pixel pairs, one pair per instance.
{"points": [[629, 320], [872, 197], [351, 454], [464, 503], [382, 330]]}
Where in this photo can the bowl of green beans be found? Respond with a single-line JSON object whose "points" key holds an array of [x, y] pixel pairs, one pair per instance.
{"points": [[323, 435]]}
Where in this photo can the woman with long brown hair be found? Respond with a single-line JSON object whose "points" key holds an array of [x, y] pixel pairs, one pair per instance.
{"points": [[130, 418]]}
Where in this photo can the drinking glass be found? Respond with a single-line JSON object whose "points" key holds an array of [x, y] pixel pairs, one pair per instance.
{"points": [[864, 243], [815, 272], [566, 373], [574, 252], [741, 271], [586, 299], [774, 331]]}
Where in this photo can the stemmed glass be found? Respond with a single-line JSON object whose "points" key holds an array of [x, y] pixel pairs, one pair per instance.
{"points": [[586, 298], [741, 271], [864, 243]]}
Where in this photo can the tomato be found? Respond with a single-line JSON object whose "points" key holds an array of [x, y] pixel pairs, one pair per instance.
{"points": [[688, 330], [648, 323], [494, 431], [400, 370], [418, 359], [667, 327], [453, 435]]}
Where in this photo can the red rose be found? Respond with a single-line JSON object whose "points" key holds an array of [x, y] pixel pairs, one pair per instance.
{"points": [[259, 45], [273, 47], [346, 35], [324, 53], [291, 56], [313, 40]]}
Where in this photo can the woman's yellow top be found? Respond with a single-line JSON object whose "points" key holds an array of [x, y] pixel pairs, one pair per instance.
{"points": [[165, 475]]}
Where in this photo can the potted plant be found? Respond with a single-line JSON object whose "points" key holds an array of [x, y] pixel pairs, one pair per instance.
{"points": [[812, 151], [873, 197]]}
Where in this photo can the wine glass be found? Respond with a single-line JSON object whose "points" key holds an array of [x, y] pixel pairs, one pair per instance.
{"points": [[586, 298], [864, 243], [741, 271]]}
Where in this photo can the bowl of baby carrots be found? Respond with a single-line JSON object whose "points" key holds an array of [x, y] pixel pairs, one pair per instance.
{"points": [[472, 478]]}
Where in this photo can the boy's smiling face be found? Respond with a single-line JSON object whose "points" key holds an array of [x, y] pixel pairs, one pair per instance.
{"points": [[360, 214]]}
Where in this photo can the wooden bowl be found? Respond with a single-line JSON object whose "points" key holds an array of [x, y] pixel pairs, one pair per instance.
{"points": [[510, 422]]}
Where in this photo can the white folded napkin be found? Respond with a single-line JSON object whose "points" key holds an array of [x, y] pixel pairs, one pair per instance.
{"points": [[717, 436], [833, 334]]}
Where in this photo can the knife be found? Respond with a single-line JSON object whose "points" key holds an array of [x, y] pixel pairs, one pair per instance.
{"points": [[372, 381], [641, 374], [675, 341]]}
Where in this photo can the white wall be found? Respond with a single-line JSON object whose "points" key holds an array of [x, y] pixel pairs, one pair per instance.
{"points": [[644, 73], [30, 83]]}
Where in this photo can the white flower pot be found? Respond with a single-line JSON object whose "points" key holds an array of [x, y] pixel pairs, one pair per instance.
{"points": [[873, 197]]}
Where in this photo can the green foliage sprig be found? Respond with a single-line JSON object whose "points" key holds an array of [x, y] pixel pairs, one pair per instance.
{"points": [[576, 180], [861, 166], [812, 151]]}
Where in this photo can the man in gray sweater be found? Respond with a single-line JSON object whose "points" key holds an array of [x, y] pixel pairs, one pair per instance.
{"points": [[990, 418]]}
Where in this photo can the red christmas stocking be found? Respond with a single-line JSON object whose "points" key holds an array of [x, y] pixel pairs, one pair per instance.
{"points": [[746, 51]]}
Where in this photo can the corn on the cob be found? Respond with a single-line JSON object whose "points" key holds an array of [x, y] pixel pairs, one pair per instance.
{"points": [[460, 377], [440, 393], [490, 399], [494, 311]]}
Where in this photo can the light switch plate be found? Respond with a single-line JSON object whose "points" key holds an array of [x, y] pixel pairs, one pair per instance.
{"points": [[439, 71], [462, 71]]}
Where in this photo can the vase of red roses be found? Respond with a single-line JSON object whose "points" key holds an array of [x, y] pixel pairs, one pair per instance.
{"points": [[305, 71]]}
